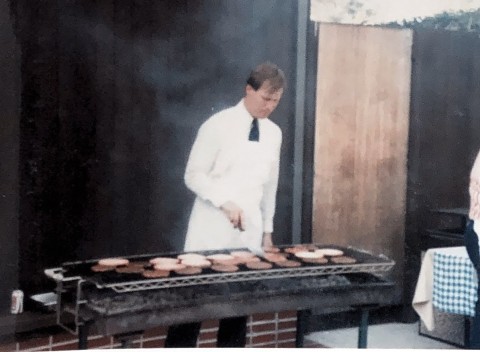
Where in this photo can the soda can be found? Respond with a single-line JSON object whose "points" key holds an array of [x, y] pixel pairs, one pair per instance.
{"points": [[17, 302]]}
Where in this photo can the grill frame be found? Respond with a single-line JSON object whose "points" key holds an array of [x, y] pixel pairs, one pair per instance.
{"points": [[72, 301]]}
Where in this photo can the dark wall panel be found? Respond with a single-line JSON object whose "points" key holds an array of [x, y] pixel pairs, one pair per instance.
{"points": [[40, 171], [444, 132], [9, 150], [111, 112]]}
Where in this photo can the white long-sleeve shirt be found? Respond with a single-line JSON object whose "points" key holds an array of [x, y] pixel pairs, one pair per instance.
{"points": [[225, 166]]}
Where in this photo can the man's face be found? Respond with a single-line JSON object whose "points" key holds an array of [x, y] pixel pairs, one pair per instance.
{"points": [[261, 103]]}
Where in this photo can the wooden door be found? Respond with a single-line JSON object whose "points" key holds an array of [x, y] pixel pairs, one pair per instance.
{"points": [[361, 137]]}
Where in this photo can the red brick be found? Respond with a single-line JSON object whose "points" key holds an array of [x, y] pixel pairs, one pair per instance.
{"points": [[64, 336], [66, 347], [135, 344], [37, 342], [269, 345], [115, 346], [282, 325], [209, 324], [207, 345], [264, 327], [287, 314], [210, 335], [290, 344], [99, 341], [109, 347], [263, 316], [38, 349], [263, 338], [156, 332], [8, 347], [131, 340], [106, 347], [286, 335], [154, 343]]}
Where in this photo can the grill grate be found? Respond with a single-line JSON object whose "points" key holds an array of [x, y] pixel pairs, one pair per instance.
{"points": [[140, 285], [366, 263]]}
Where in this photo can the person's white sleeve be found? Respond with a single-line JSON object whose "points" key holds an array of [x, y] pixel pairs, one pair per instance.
{"points": [[200, 162], [270, 191]]}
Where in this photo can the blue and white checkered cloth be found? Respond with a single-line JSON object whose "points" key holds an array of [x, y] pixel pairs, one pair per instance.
{"points": [[454, 284]]}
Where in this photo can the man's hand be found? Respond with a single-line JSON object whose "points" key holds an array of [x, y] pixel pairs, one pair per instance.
{"points": [[234, 214], [267, 240]]}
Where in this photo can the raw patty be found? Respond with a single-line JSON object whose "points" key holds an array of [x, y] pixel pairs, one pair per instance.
{"points": [[154, 274], [169, 267], [258, 265], [308, 255], [225, 268], [189, 271], [289, 264], [274, 257], [113, 261], [320, 260], [329, 252], [102, 268], [197, 263], [296, 249], [191, 256], [219, 256], [163, 260]]}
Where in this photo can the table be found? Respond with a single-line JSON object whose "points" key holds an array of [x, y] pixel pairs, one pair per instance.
{"points": [[448, 282]]}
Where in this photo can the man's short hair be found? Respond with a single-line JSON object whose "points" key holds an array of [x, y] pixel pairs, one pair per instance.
{"points": [[267, 72]]}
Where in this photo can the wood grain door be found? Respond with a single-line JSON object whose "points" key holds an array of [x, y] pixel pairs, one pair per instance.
{"points": [[361, 137]]}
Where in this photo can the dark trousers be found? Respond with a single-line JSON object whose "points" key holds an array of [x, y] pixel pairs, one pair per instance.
{"points": [[232, 332], [471, 244]]}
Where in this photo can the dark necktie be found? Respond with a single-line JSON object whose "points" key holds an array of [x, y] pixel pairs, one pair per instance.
{"points": [[254, 132]]}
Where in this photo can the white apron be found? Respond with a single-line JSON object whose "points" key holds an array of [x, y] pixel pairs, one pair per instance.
{"points": [[244, 168]]}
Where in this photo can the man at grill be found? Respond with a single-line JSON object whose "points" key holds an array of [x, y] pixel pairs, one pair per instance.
{"points": [[233, 170]]}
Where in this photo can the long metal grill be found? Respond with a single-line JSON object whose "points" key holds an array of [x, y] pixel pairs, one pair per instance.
{"points": [[118, 302]]}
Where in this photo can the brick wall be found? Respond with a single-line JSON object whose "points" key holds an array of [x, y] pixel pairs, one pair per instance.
{"points": [[263, 330]]}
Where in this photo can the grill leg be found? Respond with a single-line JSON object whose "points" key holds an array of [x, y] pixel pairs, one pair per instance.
{"points": [[83, 336], [302, 321], [232, 332], [183, 335], [466, 333], [363, 328]]}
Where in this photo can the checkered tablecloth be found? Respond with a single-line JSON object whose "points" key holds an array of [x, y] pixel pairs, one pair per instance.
{"points": [[454, 284], [447, 282]]}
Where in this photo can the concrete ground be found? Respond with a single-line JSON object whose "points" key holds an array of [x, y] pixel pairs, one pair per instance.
{"points": [[391, 335]]}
